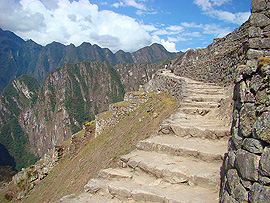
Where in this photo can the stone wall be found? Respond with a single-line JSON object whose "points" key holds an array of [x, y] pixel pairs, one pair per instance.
{"points": [[162, 81], [259, 30], [26, 179], [118, 111], [217, 62], [245, 175]]}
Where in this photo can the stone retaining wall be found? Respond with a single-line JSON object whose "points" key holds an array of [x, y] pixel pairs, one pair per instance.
{"points": [[171, 84], [245, 175], [259, 30], [217, 62], [119, 111]]}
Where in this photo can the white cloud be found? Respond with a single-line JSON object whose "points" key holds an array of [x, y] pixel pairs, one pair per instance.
{"points": [[178, 39], [131, 3], [170, 30], [193, 34], [216, 30], [170, 46], [149, 28], [208, 8], [74, 22], [176, 28], [191, 25]]}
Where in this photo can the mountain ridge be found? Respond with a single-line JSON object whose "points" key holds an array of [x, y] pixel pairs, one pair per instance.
{"points": [[27, 57]]}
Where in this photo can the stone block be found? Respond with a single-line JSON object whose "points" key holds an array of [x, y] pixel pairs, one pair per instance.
{"points": [[261, 128], [247, 119], [247, 165], [242, 92], [255, 32], [240, 194], [236, 140], [264, 180], [231, 159], [94, 185], [265, 162], [265, 69], [265, 43], [255, 43], [249, 70], [266, 31], [253, 145], [254, 54], [226, 198], [258, 5], [246, 183], [259, 20], [256, 82], [259, 193], [233, 180]]}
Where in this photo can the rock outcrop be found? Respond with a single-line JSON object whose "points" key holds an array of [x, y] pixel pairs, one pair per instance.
{"points": [[68, 97]]}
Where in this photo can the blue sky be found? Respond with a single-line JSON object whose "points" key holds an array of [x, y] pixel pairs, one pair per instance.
{"points": [[124, 24]]}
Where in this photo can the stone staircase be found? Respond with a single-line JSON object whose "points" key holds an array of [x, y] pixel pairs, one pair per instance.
{"points": [[179, 164]]}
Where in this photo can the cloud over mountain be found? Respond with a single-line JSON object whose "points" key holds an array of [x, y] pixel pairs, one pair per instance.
{"points": [[73, 22]]}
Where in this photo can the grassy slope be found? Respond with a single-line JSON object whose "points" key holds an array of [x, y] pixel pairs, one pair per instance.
{"points": [[72, 172]]}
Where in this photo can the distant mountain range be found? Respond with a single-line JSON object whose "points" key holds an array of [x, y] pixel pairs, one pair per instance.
{"points": [[19, 57]]}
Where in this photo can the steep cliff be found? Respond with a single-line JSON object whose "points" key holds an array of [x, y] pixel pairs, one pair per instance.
{"points": [[14, 99], [69, 96], [132, 75]]}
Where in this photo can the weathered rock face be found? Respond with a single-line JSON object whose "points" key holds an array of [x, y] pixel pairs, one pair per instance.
{"points": [[246, 168], [14, 99], [132, 75], [68, 97]]}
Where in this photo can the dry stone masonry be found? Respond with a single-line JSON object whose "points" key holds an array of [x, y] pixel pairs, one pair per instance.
{"points": [[162, 83], [246, 169], [245, 176], [217, 62], [259, 30], [118, 111]]}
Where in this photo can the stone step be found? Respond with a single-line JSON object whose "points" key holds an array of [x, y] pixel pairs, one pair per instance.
{"points": [[189, 103], [195, 111], [92, 198], [208, 132], [204, 98], [143, 188], [174, 169], [204, 91], [205, 150], [189, 86], [191, 81]]}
